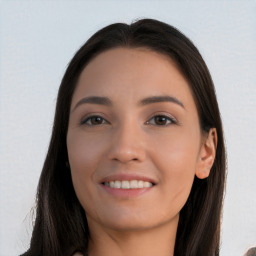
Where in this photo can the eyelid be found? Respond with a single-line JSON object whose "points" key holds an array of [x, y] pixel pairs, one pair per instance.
{"points": [[90, 116], [172, 119]]}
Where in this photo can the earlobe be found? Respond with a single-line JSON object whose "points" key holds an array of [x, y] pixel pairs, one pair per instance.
{"points": [[207, 154]]}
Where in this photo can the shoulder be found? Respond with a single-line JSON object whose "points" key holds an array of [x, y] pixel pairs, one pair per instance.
{"points": [[77, 254]]}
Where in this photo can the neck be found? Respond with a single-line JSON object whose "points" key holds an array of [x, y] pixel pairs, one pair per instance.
{"points": [[158, 240]]}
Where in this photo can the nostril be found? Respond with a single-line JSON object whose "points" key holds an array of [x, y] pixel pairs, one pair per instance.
{"points": [[125, 159]]}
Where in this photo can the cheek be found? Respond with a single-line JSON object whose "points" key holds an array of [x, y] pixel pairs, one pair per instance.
{"points": [[176, 159], [177, 151], [83, 151], [84, 156]]}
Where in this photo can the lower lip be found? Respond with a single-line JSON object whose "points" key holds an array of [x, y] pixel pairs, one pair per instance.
{"points": [[126, 193]]}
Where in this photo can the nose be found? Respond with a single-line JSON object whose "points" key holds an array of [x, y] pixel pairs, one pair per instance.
{"points": [[127, 144]]}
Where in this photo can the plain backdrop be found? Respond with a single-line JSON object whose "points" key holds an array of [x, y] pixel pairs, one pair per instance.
{"points": [[38, 39]]}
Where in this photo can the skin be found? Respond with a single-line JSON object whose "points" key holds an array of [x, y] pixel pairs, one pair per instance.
{"points": [[129, 138]]}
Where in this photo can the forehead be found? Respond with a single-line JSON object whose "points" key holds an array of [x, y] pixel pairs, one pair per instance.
{"points": [[132, 72]]}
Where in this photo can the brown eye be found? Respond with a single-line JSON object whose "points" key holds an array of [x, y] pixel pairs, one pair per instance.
{"points": [[161, 120], [94, 120]]}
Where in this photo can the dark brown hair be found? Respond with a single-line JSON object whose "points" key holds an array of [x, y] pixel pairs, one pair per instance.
{"points": [[60, 226]]}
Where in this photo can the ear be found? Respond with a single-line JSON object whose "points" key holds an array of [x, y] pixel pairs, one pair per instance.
{"points": [[207, 154]]}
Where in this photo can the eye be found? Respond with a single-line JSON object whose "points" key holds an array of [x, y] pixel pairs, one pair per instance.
{"points": [[94, 120], [161, 120]]}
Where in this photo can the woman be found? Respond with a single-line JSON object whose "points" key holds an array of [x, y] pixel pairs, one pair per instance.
{"points": [[251, 252], [136, 162]]}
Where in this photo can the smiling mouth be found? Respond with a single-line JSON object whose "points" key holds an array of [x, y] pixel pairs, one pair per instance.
{"points": [[126, 184]]}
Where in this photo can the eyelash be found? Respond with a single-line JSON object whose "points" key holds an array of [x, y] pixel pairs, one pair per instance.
{"points": [[85, 121], [168, 119]]}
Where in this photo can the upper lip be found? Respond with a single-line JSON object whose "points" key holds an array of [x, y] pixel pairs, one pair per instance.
{"points": [[128, 177]]}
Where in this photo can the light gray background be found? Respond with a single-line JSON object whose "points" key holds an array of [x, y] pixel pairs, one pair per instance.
{"points": [[37, 40]]}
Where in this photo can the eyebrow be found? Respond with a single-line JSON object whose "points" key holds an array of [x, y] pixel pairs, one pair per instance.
{"points": [[105, 101], [157, 99], [94, 100]]}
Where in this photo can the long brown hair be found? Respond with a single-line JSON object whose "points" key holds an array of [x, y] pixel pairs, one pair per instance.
{"points": [[60, 226]]}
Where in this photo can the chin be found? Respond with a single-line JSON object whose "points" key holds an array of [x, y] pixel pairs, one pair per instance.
{"points": [[129, 222]]}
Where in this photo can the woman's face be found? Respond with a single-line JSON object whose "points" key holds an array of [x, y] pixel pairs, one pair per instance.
{"points": [[134, 140]]}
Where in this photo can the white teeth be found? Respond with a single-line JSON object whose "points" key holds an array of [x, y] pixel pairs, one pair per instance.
{"points": [[117, 184], [140, 183], [134, 184], [125, 184], [147, 184]]}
